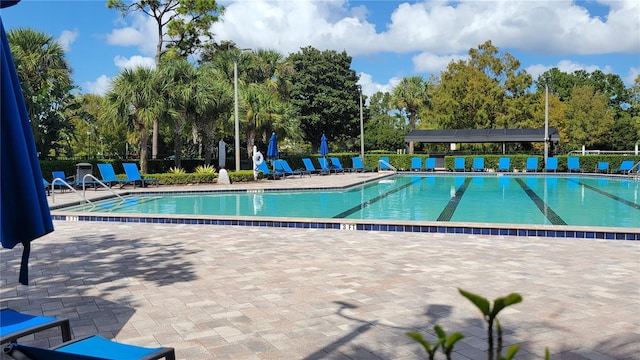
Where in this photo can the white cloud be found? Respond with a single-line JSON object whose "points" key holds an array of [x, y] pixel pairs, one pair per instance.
{"points": [[101, 86], [431, 63], [134, 62], [369, 87], [141, 33], [67, 38], [567, 66], [437, 27], [546, 27], [287, 26], [630, 79]]}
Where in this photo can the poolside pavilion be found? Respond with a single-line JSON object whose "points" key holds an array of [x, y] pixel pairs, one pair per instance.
{"points": [[469, 136]]}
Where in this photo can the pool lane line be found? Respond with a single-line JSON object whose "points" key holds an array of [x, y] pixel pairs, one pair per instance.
{"points": [[363, 205], [551, 215], [450, 208], [607, 194]]}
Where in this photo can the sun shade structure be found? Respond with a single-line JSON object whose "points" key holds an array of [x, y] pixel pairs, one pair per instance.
{"points": [[481, 135]]}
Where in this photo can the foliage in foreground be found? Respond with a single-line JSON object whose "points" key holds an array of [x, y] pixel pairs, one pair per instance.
{"points": [[490, 314]]}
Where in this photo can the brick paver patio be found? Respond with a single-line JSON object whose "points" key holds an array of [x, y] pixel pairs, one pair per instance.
{"points": [[224, 292]]}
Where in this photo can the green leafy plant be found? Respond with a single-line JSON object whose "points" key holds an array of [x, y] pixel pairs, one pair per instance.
{"points": [[490, 315], [205, 169], [445, 342], [176, 170], [430, 348]]}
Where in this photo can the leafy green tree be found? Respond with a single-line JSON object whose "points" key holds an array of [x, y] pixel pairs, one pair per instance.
{"points": [[177, 83], [466, 98], [590, 121], [85, 125], [409, 96], [45, 79], [265, 110], [135, 101], [324, 94], [486, 91], [384, 128], [186, 23], [214, 110]]}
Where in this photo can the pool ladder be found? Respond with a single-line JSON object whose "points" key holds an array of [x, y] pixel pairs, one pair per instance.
{"points": [[83, 196], [635, 175], [381, 161]]}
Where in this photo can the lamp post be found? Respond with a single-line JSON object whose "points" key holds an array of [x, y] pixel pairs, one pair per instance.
{"points": [[546, 124], [235, 100], [361, 126], [88, 145]]}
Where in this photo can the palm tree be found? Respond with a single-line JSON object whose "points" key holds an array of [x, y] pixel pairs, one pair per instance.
{"points": [[211, 109], [45, 78], [135, 101], [409, 96], [177, 84]]}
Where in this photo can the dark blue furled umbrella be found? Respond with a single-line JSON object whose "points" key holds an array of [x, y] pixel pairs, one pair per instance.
{"points": [[24, 211], [272, 150], [324, 148]]}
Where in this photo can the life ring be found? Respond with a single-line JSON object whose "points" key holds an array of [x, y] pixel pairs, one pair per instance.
{"points": [[258, 159]]}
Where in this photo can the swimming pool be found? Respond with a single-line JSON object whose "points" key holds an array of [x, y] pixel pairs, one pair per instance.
{"points": [[449, 203]]}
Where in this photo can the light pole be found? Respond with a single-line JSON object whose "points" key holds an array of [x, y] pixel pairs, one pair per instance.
{"points": [[88, 145], [361, 126], [546, 124], [235, 100]]}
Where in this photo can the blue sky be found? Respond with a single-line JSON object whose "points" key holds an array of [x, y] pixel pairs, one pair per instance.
{"points": [[387, 39]]}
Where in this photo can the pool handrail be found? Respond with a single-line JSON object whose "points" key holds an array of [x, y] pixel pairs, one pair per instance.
{"points": [[63, 182], [95, 180], [386, 163]]}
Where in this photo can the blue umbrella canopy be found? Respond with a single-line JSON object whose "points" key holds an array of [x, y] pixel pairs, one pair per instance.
{"points": [[272, 150], [324, 148], [24, 211]]}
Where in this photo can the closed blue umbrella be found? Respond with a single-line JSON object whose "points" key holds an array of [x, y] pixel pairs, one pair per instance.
{"points": [[324, 148], [272, 150], [24, 211]]}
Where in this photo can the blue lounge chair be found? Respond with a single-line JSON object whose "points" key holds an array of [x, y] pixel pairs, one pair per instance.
{"points": [[552, 164], [358, 165], [504, 164], [625, 167], [109, 177], [308, 164], [458, 164], [603, 166], [573, 164], [532, 164], [264, 168], [288, 168], [416, 164], [430, 164], [337, 165], [62, 181], [14, 325], [384, 164], [92, 347], [133, 175], [47, 185], [478, 164], [283, 168], [324, 165]]}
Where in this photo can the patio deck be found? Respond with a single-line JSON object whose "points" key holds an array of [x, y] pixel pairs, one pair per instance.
{"points": [[227, 292]]}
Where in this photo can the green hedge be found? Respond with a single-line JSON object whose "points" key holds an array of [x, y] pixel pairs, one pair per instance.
{"points": [[159, 168]]}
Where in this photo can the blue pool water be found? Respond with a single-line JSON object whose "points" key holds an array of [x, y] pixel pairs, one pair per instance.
{"points": [[550, 200]]}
